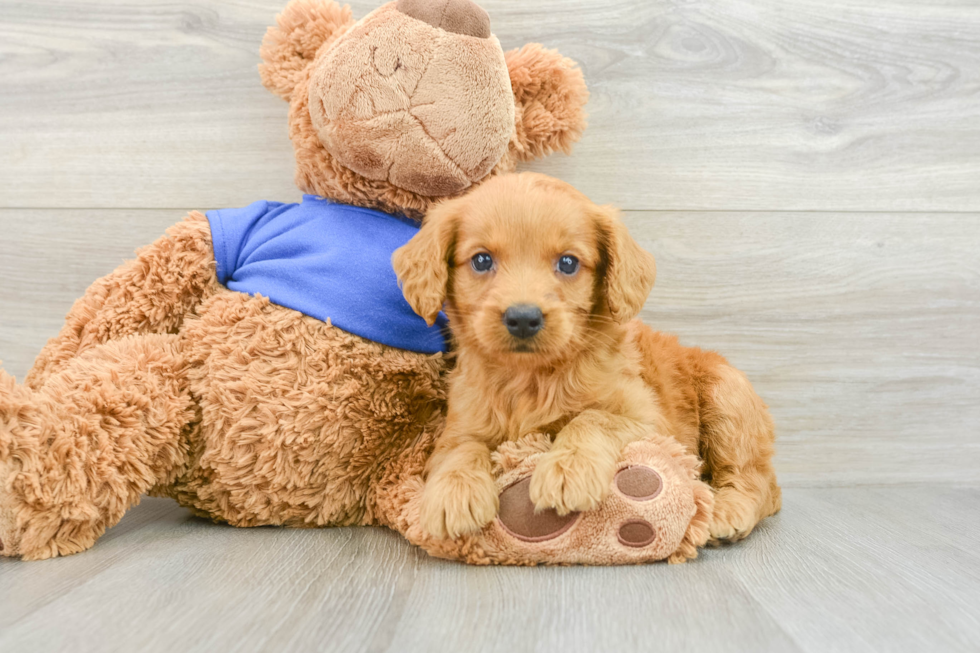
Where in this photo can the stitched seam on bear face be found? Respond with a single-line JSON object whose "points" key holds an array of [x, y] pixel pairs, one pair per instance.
{"points": [[428, 64], [435, 51], [449, 158]]}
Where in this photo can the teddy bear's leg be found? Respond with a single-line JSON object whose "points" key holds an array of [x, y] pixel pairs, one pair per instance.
{"points": [[737, 437], [77, 453], [148, 294], [401, 479]]}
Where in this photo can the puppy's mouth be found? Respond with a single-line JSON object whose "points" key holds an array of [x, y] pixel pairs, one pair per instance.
{"points": [[523, 347]]}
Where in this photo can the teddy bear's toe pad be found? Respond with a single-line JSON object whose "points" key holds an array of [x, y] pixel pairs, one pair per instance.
{"points": [[637, 533], [518, 518], [639, 483]]}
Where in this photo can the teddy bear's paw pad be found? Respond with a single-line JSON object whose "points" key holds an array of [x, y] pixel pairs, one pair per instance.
{"points": [[518, 518], [639, 483], [637, 533]]}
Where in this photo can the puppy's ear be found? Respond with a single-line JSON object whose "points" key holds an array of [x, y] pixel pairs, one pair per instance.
{"points": [[422, 264], [291, 45], [629, 269]]}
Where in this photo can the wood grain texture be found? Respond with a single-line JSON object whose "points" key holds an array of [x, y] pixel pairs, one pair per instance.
{"points": [[862, 332], [855, 569], [49, 258], [815, 576], [697, 104]]}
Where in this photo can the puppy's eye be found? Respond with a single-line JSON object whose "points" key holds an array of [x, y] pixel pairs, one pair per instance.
{"points": [[568, 264], [482, 262]]}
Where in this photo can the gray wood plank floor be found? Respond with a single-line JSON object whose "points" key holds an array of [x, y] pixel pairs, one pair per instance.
{"points": [[871, 569], [808, 177]]}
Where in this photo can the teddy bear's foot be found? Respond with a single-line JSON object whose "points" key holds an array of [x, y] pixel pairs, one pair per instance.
{"points": [[520, 518], [643, 530], [657, 508]]}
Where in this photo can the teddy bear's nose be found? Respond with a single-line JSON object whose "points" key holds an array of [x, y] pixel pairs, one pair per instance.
{"points": [[458, 16]]}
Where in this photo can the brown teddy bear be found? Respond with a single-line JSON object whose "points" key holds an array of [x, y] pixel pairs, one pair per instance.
{"points": [[253, 365]]}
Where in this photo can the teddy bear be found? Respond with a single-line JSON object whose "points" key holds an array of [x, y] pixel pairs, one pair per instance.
{"points": [[260, 365]]}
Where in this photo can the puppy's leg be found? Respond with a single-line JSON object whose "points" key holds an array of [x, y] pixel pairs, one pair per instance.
{"points": [[578, 471], [737, 446], [459, 496]]}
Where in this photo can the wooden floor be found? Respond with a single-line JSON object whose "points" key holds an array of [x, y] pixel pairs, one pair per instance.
{"points": [[807, 175], [873, 569]]}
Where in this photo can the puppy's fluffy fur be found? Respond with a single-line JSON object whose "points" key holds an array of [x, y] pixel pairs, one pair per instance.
{"points": [[592, 377]]}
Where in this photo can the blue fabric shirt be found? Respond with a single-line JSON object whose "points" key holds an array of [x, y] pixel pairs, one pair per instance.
{"points": [[329, 261]]}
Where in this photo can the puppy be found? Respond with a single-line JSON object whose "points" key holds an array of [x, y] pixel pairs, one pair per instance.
{"points": [[541, 288]]}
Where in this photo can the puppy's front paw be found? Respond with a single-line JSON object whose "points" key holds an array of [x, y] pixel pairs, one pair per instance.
{"points": [[568, 482], [457, 503]]}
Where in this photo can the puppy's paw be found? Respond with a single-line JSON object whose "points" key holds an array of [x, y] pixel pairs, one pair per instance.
{"points": [[457, 503], [735, 515], [568, 482]]}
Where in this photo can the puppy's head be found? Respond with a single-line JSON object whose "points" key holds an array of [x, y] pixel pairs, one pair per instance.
{"points": [[527, 267]]}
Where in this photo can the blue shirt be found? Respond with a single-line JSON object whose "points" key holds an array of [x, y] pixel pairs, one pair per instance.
{"points": [[329, 261]]}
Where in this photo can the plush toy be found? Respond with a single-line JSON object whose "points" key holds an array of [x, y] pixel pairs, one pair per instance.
{"points": [[260, 365]]}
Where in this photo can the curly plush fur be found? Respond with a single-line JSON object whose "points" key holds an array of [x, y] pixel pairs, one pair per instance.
{"points": [[247, 413], [164, 382]]}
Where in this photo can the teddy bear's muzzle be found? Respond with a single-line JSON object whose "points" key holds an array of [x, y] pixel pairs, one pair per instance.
{"points": [[417, 94]]}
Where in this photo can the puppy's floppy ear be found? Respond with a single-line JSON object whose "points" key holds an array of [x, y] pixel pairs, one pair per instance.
{"points": [[422, 264], [549, 101], [629, 269], [291, 45]]}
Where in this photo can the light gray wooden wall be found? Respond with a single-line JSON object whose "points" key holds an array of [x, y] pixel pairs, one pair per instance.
{"points": [[807, 174]]}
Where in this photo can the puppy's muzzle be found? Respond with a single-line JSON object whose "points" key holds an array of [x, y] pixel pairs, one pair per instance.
{"points": [[523, 320]]}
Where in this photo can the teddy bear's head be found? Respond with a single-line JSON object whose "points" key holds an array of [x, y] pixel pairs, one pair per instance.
{"points": [[415, 102]]}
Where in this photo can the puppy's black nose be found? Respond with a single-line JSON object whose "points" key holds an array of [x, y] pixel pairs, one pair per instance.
{"points": [[523, 320]]}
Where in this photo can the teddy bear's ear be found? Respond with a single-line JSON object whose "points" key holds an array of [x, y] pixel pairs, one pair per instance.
{"points": [[549, 98], [291, 45]]}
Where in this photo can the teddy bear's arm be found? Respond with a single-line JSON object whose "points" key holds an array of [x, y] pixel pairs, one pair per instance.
{"points": [[289, 46], [149, 294], [549, 98]]}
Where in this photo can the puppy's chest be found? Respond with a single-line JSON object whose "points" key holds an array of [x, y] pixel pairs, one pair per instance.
{"points": [[529, 413]]}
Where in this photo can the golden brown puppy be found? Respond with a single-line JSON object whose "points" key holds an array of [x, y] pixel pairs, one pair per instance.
{"points": [[541, 287]]}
